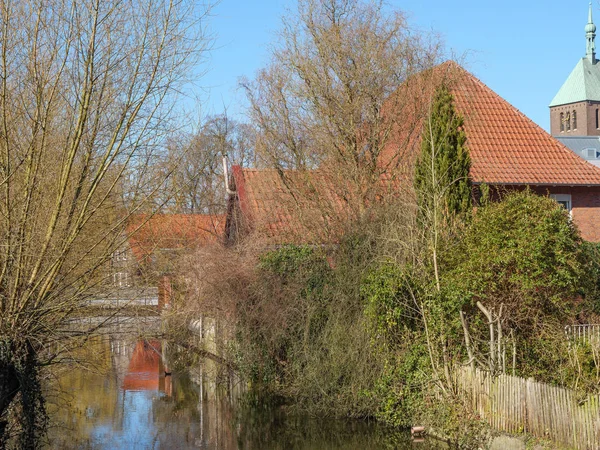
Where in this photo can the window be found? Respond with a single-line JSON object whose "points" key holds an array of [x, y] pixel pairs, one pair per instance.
{"points": [[120, 279], [120, 255], [568, 122], [597, 122], [590, 153], [574, 120], [563, 200], [562, 121]]}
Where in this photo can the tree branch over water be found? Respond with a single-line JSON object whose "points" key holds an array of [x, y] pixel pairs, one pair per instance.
{"points": [[87, 98]]}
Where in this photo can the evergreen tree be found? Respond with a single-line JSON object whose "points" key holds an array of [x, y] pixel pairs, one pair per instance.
{"points": [[442, 170], [443, 194]]}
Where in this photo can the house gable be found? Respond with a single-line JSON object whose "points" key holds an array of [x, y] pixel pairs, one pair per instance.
{"points": [[506, 149]]}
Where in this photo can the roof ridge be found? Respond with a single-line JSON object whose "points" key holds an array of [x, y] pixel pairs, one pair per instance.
{"points": [[561, 146], [521, 113]]}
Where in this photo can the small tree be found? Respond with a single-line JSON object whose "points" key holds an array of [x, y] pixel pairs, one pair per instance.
{"points": [[443, 193], [327, 99], [196, 186]]}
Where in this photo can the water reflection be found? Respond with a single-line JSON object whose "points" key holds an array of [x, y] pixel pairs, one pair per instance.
{"points": [[112, 403], [123, 399]]}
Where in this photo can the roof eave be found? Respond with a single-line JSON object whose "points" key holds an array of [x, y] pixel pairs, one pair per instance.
{"points": [[552, 104]]}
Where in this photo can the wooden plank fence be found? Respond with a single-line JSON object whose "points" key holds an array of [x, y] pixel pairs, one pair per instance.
{"points": [[516, 405], [585, 333]]}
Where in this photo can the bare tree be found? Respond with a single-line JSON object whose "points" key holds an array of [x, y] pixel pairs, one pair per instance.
{"points": [[197, 185], [325, 100], [87, 94]]}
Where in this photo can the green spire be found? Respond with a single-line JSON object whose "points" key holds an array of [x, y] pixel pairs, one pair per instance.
{"points": [[590, 34]]}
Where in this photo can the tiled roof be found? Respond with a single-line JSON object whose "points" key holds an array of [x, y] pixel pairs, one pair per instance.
{"points": [[588, 147], [285, 206], [147, 234], [506, 147]]}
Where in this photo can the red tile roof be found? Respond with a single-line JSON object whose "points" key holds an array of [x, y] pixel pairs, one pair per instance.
{"points": [[172, 231], [506, 147], [287, 206]]}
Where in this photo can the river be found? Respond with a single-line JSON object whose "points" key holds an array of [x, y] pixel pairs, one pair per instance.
{"points": [[117, 396]]}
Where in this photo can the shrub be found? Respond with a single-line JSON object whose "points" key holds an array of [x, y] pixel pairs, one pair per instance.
{"points": [[523, 252], [388, 291], [524, 255]]}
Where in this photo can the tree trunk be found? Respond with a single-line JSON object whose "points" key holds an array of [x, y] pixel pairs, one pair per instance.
{"points": [[9, 388]]}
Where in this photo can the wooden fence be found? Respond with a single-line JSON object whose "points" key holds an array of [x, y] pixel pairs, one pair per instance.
{"points": [[585, 333], [515, 405]]}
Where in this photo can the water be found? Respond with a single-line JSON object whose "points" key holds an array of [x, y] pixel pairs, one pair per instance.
{"points": [[119, 397]]}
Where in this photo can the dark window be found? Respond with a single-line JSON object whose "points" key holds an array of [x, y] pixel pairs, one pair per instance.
{"points": [[563, 200], [597, 123], [574, 119], [568, 121], [562, 121]]}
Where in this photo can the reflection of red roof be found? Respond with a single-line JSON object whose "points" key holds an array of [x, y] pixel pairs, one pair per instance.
{"points": [[172, 231], [144, 369], [506, 147]]}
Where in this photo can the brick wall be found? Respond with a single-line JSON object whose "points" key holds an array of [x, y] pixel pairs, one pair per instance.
{"points": [[586, 119], [586, 212], [165, 292], [585, 205]]}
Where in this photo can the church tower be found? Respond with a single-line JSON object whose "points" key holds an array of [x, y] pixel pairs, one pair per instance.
{"points": [[575, 110]]}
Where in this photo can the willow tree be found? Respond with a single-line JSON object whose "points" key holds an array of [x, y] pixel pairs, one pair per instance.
{"points": [[87, 90]]}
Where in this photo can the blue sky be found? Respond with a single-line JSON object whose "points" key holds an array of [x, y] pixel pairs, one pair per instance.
{"points": [[523, 50]]}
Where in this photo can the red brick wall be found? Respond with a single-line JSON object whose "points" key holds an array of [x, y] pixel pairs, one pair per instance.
{"points": [[585, 208], [165, 292], [586, 119]]}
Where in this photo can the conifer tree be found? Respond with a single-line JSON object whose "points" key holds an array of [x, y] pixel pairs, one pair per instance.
{"points": [[443, 194], [442, 171]]}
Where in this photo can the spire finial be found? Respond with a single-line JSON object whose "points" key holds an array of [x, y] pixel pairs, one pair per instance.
{"points": [[590, 35]]}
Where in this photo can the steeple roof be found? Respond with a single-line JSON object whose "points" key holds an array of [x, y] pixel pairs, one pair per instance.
{"points": [[590, 37], [584, 82]]}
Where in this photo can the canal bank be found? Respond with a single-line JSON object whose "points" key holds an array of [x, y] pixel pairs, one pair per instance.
{"points": [[118, 396]]}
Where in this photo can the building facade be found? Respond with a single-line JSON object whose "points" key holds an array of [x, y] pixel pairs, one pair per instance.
{"points": [[575, 109], [508, 152]]}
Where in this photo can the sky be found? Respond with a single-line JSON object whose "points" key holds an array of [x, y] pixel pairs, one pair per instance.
{"points": [[523, 50]]}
